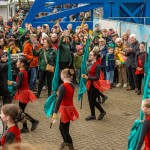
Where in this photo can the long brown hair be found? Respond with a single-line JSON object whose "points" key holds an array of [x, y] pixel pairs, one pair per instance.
{"points": [[13, 112]]}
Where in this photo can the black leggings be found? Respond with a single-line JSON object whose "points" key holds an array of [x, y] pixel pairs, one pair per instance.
{"points": [[92, 95], [139, 78], [64, 130], [28, 117]]}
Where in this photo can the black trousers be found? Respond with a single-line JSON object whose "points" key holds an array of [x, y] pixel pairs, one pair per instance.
{"points": [[116, 75], [64, 130], [132, 78], [92, 96], [4, 92], [43, 75], [139, 78], [22, 106]]}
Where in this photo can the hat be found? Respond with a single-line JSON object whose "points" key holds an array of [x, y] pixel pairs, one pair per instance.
{"points": [[96, 25], [44, 35], [115, 34], [78, 48]]}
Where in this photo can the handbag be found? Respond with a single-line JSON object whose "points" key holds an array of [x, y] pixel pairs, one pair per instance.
{"points": [[49, 67]]}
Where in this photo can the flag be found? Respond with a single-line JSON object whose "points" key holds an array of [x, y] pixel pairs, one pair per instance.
{"points": [[82, 85], [136, 129], [10, 87]]}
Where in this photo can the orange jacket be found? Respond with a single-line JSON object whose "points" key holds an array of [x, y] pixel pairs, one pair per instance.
{"points": [[29, 55]]}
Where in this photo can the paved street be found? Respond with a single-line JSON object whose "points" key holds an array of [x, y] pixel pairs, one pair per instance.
{"points": [[109, 134]]}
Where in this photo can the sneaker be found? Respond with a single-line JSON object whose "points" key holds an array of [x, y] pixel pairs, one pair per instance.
{"points": [[34, 125], [24, 130], [44, 88], [90, 118], [125, 86], [103, 99], [118, 85], [101, 116]]}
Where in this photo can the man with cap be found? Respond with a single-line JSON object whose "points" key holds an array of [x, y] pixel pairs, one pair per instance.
{"points": [[4, 78], [113, 39], [97, 31]]}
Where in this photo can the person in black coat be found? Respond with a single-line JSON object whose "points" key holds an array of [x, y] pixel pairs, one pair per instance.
{"points": [[130, 62], [3, 79]]}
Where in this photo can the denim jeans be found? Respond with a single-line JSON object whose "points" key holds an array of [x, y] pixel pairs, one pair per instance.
{"points": [[110, 76], [33, 77]]}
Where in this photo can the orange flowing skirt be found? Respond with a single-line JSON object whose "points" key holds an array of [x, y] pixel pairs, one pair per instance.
{"points": [[68, 113], [25, 96], [101, 84]]}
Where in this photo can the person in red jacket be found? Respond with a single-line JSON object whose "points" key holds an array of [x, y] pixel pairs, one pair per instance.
{"points": [[139, 62], [145, 135], [23, 94], [66, 107], [11, 115]]}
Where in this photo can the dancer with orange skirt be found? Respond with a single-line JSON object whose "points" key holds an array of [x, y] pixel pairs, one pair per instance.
{"points": [[95, 86], [23, 94], [66, 108]]}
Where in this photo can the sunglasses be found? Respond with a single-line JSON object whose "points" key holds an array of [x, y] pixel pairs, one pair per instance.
{"points": [[3, 56]]}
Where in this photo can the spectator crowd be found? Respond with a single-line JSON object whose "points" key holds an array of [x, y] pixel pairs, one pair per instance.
{"points": [[122, 58]]}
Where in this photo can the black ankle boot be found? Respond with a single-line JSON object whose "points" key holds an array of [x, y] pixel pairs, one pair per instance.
{"points": [[138, 92], [68, 145], [101, 116], [34, 125], [103, 99], [71, 147], [24, 130], [90, 118]]}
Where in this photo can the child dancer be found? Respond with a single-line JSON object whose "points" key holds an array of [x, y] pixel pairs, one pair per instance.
{"points": [[66, 107], [23, 94], [11, 115], [145, 135]]}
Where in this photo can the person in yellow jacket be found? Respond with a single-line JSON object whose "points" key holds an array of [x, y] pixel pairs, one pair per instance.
{"points": [[120, 58]]}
